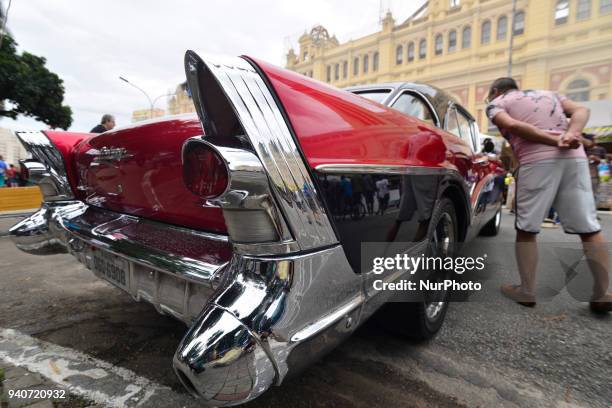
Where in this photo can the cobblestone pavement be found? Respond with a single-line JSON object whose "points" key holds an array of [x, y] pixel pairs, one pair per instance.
{"points": [[490, 353]]}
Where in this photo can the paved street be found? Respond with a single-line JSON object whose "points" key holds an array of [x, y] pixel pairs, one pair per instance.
{"points": [[490, 352]]}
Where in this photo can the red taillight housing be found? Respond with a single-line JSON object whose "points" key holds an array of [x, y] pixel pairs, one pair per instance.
{"points": [[204, 171]]}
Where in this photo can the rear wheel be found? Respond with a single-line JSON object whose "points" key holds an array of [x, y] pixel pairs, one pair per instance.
{"points": [[422, 320]]}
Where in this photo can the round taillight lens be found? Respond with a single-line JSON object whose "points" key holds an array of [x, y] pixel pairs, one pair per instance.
{"points": [[204, 171]]}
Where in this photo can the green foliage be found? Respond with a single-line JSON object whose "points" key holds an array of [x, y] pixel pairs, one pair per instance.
{"points": [[31, 88]]}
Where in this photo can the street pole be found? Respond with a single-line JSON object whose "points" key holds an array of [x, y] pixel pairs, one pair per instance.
{"points": [[511, 45], [141, 90]]}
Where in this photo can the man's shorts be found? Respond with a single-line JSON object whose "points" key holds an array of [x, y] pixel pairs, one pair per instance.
{"points": [[565, 185]]}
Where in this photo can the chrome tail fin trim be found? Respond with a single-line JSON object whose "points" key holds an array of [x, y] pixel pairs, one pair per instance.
{"points": [[221, 82]]}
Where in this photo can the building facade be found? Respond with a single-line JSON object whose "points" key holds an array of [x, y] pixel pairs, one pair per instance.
{"points": [[144, 114], [10, 147], [463, 45], [180, 101]]}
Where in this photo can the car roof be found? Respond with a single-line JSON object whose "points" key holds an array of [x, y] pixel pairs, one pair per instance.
{"points": [[438, 98]]}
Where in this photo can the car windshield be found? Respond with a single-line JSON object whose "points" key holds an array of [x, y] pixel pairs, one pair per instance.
{"points": [[377, 95]]}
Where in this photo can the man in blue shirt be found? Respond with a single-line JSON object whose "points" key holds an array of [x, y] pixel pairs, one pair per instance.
{"points": [[2, 172]]}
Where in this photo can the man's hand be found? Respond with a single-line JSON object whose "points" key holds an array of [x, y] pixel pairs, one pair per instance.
{"points": [[570, 140]]}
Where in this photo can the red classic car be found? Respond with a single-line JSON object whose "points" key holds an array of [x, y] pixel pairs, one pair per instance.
{"points": [[246, 221]]}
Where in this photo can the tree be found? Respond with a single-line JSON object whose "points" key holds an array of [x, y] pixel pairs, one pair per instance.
{"points": [[30, 88]]}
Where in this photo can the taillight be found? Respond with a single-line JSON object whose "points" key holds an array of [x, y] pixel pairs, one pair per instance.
{"points": [[204, 171]]}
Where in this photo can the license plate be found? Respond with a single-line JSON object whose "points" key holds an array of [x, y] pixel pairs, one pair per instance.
{"points": [[112, 268]]}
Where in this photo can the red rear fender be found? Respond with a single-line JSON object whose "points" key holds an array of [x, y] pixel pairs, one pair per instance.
{"points": [[66, 142]]}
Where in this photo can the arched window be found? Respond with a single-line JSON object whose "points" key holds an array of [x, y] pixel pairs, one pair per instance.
{"points": [[356, 66], [410, 51], [366, 63], [337, 72], [485, 32], [399, 54], [452, 41], [438, 44], [561, 12], [519, 23], [422, 48], [344, 69], [466, 37], [328, 76], [375, 61], [579, 90], [583, 9], [502, 28]]}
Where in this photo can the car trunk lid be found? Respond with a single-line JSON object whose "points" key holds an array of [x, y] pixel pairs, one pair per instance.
{"points": [[137, 170]]}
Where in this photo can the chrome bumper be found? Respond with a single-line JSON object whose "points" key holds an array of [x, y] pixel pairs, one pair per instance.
{"points": [[254, 320], [173, 268]]}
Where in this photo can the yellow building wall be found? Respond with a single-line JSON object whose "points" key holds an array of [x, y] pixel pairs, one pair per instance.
{"points": [[145, 114], [545, 55]]}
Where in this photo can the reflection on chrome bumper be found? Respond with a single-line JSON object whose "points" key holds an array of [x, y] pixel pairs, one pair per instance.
{"points": [[254, 319], [270, 317], [220, 360], [174, 269], [42, 233]]}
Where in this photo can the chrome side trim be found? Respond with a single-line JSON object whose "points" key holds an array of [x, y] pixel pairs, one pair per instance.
{"points": [[423, 97], [381, 169], [327, 321], [360, 91], [270, 137], [48, 163]]}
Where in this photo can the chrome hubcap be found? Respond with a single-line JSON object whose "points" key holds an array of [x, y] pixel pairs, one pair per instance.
{"points": [[433, 309], [442, 241]]}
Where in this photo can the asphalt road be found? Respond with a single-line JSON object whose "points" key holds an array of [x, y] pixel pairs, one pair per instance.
{"points": [[490, 351]]}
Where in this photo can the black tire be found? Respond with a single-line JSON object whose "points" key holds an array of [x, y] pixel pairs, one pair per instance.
{"points": [[491, 228], [417, 320]]}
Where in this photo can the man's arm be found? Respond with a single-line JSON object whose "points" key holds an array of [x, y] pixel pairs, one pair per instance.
{"points": [[521, 129], [578, 116]]}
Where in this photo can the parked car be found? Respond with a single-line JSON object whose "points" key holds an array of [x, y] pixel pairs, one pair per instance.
{"points": [[229, 220]]}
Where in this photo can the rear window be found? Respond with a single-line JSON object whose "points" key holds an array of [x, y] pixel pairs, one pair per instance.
{"points": [[377, 95]]}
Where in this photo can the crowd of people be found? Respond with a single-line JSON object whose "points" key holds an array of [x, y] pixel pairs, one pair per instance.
{"points": [[357, 195], [10, 176]]}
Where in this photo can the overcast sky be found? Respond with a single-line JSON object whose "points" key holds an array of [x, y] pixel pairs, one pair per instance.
{"points": [[89, 44]]}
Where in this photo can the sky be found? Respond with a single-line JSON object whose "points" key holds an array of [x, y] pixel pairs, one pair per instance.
{"points": [[89, 44]]}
